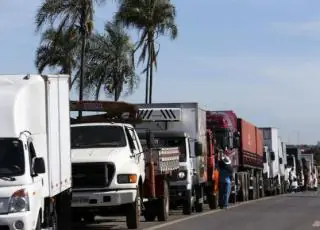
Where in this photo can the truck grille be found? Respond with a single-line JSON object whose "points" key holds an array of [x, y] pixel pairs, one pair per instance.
{"points": [[92, 175]]}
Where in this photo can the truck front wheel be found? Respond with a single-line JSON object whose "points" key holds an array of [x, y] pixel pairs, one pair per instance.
{"points": [[163, 204], [187, 204], [199, 199], [133, 212], [213, 200]]}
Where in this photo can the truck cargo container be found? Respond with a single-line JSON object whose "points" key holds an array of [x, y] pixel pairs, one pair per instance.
{"points": [[113, 172], [185, 122], [242, 142], [35, 185]]}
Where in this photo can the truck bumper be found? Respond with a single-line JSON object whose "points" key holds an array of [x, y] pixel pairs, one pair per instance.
{"points": [[10, 221], [179, 193], [108, 203], [103, 198]]}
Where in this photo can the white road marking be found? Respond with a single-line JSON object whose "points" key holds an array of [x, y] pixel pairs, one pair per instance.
{"points": [[169, 223], [316, 224]]}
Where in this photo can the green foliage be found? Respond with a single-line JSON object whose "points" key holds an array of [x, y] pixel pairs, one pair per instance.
{"points": [[68, 43], [152, 18], [110, 63]]}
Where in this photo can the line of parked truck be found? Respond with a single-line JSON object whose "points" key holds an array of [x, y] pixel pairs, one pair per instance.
{"points": [[124, 160]]}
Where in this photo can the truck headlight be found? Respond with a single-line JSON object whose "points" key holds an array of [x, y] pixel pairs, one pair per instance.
{"points": [[19, 202], [182, 175], [127, 178]]}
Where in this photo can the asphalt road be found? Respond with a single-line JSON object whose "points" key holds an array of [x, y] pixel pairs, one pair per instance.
{"points": [[300, 211]]}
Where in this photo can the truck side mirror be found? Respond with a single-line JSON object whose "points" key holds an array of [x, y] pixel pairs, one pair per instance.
{"points": [[39, 165], [272, 156], [198, 148], [236, 140], [264, 157], [150, 139], [280, 161]]}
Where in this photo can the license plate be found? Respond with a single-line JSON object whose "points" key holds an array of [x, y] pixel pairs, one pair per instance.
{"points": [[80, 200]]}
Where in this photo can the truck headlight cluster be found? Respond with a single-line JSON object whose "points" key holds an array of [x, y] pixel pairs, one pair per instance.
{"points": [[19, 202], [181, 175], [127, 178]]}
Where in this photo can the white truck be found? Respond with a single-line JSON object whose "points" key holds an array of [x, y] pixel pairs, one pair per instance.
{"points": [[183, 125], [285, 162], [35, 165], [272, 183], [282, 166], [112, 173]]}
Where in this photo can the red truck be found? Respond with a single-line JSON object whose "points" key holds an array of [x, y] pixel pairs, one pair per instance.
{"points": [[243, 143]]}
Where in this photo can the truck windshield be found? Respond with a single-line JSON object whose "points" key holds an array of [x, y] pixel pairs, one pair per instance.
{"points": [[97, 136], [290, 161], [167, 142], [11, 157], [221, 138]]}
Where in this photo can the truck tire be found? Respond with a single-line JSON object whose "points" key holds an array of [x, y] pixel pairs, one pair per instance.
{"points": [[199, 195], [163, 204], [213, 201], [187, 205], [149, 212], [133, 212]]}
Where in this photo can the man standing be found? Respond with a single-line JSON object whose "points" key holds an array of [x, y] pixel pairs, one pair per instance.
{"points": [[225, 177]]}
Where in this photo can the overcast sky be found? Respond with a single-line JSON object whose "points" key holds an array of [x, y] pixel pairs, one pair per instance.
{"points": [[259, 58]]}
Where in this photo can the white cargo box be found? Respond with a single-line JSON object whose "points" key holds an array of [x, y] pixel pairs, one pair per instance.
{"points": [[40, 105]]}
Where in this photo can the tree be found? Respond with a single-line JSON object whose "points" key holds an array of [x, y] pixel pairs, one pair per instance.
{"points": [[110, 63], [72, 14], [151, 18], [58, 49]]}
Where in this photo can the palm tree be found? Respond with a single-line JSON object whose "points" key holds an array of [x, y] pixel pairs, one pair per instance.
{"points": [[58, 49], [110, 63], [152, 18], [72, 13]]}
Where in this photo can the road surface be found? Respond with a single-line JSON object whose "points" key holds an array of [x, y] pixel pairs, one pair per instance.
{"points": [[300, 211]]}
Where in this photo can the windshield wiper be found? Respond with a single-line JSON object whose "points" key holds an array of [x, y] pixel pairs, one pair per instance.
{"points": [[7, 178]]}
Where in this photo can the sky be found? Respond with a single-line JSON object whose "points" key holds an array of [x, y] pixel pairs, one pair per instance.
{"points": [[258, 58]]}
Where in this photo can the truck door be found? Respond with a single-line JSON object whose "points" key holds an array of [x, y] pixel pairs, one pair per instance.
{"points": [[37, 184], [135, 147]]}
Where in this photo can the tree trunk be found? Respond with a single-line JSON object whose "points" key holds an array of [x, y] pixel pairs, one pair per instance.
{"points": [[70, 73], [150, 83], [150, 45], [82, 61], [147, 83]]}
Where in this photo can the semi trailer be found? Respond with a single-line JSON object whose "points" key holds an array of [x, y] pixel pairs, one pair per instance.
{"points": [[243, 143]]}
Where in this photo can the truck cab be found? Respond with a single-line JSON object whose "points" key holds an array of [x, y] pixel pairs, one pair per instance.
{"points": [[108, 169]]}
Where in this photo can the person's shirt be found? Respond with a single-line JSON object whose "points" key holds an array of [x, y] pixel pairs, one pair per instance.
{"points": [[225, 172]]}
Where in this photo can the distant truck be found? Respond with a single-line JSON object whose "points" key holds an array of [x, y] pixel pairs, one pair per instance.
{"points": [[113, 173], [243, 143], [308, 165], [183, 125], [294, 159], [35, 166]]}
